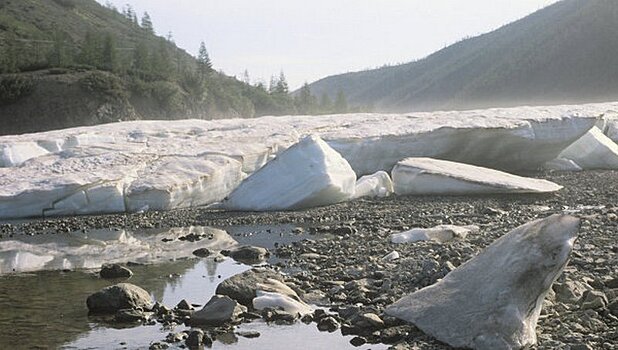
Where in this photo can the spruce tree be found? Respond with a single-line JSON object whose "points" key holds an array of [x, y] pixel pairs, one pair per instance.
{"points": [[282, 85], [109, 54], [341, 103], [203, 61], [147, 23]]}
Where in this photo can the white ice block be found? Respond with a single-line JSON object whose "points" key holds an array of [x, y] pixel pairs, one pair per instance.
{"points": [[374, 185], [561, 164], [279, 301], [307, 174], [440, 234], [594, 150], [427, 176], [15, 154]]}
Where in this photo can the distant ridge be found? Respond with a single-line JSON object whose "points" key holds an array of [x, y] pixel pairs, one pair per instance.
{"points": [[564, 53]]}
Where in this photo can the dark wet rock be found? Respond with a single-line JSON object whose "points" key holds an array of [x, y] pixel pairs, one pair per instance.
{"points": [[219, 310], [307, 319], [195, 339], [344, 230], [249, 334], [129, 315], [176, 337], [202, 252], [367, 321], [158, 346], [358, 341], [119, 296], [247, 254], [393, 335], [328, 324], [612, 284], [279, 316], [115, 271], [184, 305], [243, 287]]}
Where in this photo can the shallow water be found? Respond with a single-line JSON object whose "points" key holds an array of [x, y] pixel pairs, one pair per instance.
{"points": [[47, 309]]}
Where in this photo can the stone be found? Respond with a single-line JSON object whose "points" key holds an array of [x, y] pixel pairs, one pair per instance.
{"points": [[115, 271], [593, 299], [569, 291], [219, 310], [358, 341], [202, 252], [328, 324], [484, 305], [368, 320], [119, 296], [249, 334], [248, 254], [184, 305], [195, 339], [129, 315]]}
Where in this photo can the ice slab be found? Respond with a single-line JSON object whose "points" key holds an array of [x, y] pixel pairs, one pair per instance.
{"points": [[280, 301], [561, 164], [427, 176], [90, 250], [440, 234], [374, 185], [523, 137], [307, 174], [494, 300], [594, 150]]}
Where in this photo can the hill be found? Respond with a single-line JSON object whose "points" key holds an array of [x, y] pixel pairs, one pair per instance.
{"points": [[66, 63], [564, 53]]}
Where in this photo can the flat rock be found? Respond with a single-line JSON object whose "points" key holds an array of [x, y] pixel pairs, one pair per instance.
{"points": [[115, 271], [308, 174], [117, 297], [248, 254], [482, 304], [440, 234], [219, 310], [427, 176]]}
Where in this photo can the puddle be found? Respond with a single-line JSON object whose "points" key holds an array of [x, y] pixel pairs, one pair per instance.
{"points": [[47, 309]]}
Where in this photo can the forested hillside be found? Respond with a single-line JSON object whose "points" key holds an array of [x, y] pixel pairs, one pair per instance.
{"points": [[75, 62], [565, 53]]}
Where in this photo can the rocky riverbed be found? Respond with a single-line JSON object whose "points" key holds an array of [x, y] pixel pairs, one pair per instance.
{"points": [[345, 270]]}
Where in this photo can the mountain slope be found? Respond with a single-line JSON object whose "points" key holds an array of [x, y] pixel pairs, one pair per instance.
{"points": [[67, 63], [567, 52]]}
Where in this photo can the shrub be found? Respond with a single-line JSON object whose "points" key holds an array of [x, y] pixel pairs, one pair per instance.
{"points": [[107, 84], [69, 4], [13, 87]]}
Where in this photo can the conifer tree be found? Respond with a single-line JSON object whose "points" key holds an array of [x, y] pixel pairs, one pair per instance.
{"points": [[203, 61], [147, 23], [282, 85], [341, 103], [109, 53]]}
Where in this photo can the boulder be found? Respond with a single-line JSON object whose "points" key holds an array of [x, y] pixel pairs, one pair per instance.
{"points": [[119, 296], [308, 174], [219, 310], [247, 254], [494, 300], [440, 234], [115, 271], [427, 176]]}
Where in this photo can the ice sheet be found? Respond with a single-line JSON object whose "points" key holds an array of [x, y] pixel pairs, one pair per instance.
{"points": [[54, 173], [425, 176]]}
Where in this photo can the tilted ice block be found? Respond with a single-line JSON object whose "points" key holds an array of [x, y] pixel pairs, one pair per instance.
{"points": [[561, 164], [14, 154], [426, 176], [594, 150], [307, 174], [494, 300], [97, 198], [180, 182], [440, 234], [375, 185]]}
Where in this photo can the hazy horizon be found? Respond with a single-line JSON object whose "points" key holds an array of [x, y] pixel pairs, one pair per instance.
{"points": [[310, 42]]}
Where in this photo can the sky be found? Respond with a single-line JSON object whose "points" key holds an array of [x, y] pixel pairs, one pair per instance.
{"points": [[309, 40]]}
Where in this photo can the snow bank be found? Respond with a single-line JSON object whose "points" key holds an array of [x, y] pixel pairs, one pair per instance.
{"points": [[307, 174], [57, 172], [594, 150], [375, 185], [424, 176], [440, 234]]}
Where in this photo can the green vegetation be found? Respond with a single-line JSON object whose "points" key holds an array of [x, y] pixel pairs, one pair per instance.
{"points": [[128, 65], [565, 53]]}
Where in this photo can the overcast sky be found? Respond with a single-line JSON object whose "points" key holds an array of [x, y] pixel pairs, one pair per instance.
{"points": [[309, 40]]}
